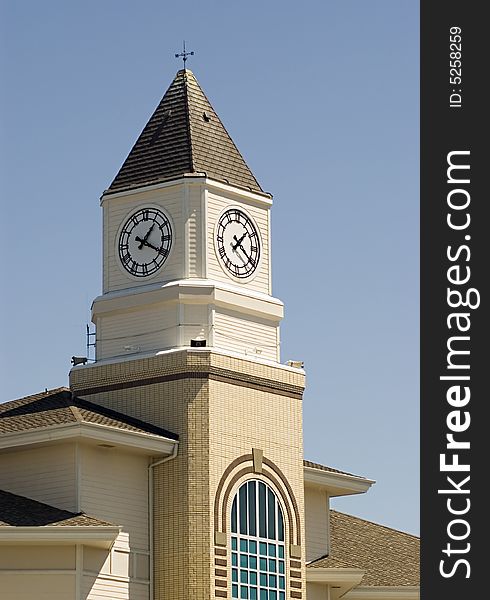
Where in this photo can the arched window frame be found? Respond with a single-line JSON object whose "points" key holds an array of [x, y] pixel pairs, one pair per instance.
{"points": [[258, 543]]}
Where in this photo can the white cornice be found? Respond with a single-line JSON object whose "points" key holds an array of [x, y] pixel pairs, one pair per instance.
{"points": [[342, 580], [263, 198], [408, 592], [336, 484], [102, 535], [142, 442], [192, 291]]}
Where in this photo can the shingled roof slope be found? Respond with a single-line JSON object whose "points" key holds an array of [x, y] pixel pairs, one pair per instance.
{"points": [[314, 465], [58, 407], [19, 511], [390, 557], [184, 135]]}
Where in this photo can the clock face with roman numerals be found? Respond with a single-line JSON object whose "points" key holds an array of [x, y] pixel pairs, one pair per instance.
{"points": [[237, 243], [145, 241]]}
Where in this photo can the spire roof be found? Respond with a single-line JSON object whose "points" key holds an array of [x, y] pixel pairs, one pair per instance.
{"points": [[184, 135]]}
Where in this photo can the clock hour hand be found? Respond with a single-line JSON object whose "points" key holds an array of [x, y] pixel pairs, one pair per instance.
{"points": [[144, 242], [238, 242]]}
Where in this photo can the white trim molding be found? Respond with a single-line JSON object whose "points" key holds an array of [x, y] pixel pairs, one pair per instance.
{"points": [[102, 536], [337, 484], [402, 592]]}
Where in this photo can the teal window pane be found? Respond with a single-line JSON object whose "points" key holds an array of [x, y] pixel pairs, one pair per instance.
{"points": [[272, 595], [233, 517], [252, 562], [243, 560], [263, 564], [263, 579], [282, 583], [234, 559], [253, 578], [242, 508], [243, 592], [262, 549], [281, 551], [263, 594], [243, 576], [272, 549], [272, 581], [262, 508], [233, 543], [271, 515], [282, 596], [243, 546], [253, 593], [252, 517], [252, 547], [281, 566], [234, 574], [272, 565], [234, 591], [280, 525]]}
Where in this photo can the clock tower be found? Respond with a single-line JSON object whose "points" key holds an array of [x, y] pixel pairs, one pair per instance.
{"points": [[187, 338]]}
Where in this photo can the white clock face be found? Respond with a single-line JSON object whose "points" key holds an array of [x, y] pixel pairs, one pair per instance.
{"points": [[237, 243], [145, 241]]}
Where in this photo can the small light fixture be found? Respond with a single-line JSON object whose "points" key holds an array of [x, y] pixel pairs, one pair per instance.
{"points": [[297, 364], [78, 360], [198, 343]]}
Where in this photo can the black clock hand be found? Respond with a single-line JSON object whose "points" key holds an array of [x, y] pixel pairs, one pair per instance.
{"points": [[246, 255], [238, 242], [143, 241]]}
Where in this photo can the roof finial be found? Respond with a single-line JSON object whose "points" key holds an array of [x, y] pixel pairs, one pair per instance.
{"points": [[184, 54]]}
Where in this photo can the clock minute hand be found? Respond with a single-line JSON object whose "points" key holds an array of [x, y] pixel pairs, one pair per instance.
{"points": [[143, 241]]}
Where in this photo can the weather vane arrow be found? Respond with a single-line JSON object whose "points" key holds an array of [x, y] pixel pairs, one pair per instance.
{"points": [[184, 54]]}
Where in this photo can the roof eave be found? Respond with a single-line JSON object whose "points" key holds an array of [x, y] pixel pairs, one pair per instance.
{"points": [[336, 484], [142, 442], [402, 592], [341, 581], [102, 536]]}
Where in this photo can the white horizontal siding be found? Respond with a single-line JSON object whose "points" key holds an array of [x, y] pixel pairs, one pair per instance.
{"points": [[246, 335], [216, 204], [114, 487], [104, 588], [117, 210], [46, 474], [149, 328], [194, 228], [316, 523]]}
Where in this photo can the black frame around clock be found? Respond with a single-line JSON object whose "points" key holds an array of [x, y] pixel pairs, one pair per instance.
{"points": [[239, 252], [145, 241]]}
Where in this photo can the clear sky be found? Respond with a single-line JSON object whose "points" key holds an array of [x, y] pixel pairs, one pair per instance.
{"points": [[321, 98]]}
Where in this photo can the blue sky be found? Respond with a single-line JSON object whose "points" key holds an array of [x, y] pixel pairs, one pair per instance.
{"points": [[321, 97]]}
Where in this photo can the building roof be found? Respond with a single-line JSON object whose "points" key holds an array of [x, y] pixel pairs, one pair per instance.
{"points": [[389, 557], [184, 135], [59, 407], [314, 465], [19, 511]]}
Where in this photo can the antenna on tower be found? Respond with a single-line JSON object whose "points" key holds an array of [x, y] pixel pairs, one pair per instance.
{"points": [[184, 54]]}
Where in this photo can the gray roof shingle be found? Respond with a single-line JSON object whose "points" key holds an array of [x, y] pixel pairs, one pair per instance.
{"points": [[184, 135], [58, 407], [314, 465], [19, 511], [390, 557]]}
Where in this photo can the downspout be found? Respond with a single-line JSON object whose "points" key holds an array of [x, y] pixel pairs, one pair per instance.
{"points": [[151, 466]]}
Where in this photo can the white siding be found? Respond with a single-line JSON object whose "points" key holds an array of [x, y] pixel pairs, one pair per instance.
{"points": [[116, 211], [316, 523], [194, 231], [104, 588], [317, 591], [216, 204], [114, 487], [45, 474], [251, 336], [151, 328], [29, 586]]}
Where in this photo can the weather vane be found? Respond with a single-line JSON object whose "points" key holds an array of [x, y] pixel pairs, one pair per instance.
{"points": [[184, 54]]}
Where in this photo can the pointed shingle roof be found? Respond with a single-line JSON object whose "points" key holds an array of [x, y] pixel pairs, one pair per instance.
{"points": [[184, 135], [59, 407], [389, 557]]}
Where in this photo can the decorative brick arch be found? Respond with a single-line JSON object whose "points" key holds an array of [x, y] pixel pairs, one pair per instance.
{"points": [[239, 468]]}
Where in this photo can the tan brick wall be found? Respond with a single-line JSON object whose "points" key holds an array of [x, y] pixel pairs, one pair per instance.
{"points": [[236, 405]]}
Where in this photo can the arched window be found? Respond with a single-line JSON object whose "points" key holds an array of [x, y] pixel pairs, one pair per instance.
{"points": [[257, 544]]}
